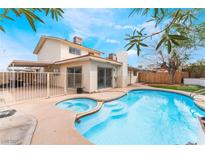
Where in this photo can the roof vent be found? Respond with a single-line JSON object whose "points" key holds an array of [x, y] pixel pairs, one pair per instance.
{"points": [[77, 40]]}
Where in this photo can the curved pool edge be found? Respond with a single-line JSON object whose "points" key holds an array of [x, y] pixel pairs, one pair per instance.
{"points": [[75, 97], [186, 94], [125, 92], [111, 99], [98, 107], [99, 102], [89, 112], [77, 134]]}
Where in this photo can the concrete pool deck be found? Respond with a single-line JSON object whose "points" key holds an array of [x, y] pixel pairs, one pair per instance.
{"points": [[56, 126]]}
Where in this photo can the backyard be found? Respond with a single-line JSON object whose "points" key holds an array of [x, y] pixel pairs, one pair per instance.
{"points": [[187, 88], [72, 94]]}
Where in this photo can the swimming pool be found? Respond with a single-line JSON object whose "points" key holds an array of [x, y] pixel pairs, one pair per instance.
{"points": [[144, 117], [77, 105]]}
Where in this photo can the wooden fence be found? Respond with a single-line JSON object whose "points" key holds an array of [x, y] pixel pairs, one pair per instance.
{"points": [[160, 77], [196, 75]]}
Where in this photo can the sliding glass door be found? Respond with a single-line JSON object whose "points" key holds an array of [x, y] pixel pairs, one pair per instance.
{"points": [[74, 77], [104, 77]]}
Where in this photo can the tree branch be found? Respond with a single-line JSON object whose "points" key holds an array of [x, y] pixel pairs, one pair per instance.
{"points": [[166, 28]]}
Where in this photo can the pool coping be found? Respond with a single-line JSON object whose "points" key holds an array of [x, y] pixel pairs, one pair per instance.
{"points": [[89, 112], [98, 107]]}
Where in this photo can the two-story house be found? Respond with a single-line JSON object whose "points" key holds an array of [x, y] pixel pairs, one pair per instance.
{"points": [[84, 66]]}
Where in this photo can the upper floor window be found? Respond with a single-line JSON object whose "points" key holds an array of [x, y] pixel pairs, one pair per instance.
{"points": [[75, 51]]}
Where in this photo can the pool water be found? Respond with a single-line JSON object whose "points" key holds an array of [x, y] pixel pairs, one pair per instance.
{"points": [[144, 117], [77, 105]]}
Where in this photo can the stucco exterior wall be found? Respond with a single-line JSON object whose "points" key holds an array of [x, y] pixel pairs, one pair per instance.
{"points": [[65, 52], [94, 74], [50, 52], [85, 73], [132, 78], [54, 51], [89, 74], [123, 71]]}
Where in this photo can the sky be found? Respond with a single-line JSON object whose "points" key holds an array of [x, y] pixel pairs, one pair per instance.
{"points": [[101, 29]]}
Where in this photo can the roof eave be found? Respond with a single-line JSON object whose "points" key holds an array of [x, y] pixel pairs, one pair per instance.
{"points": [[43, 39], [39, 45], [88, 57], [105, 60]]}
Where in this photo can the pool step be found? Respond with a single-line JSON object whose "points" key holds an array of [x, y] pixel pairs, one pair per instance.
{"points": [[117, 110], [98, 119], [113, 103], [195, 113], [119, 107], [120, 112], [64, 105]]}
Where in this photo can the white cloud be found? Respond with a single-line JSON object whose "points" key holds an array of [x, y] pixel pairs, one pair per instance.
{"points": [[101, 24], [122, 27], [112, 41], [149, 27], [132, 52], [83, 21]]}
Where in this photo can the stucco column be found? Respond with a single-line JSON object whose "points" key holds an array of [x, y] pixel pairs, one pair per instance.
{"points": [[123, 70], [87, 78]]}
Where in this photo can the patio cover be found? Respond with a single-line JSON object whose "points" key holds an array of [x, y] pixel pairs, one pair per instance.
{"points": [[23, 63]]}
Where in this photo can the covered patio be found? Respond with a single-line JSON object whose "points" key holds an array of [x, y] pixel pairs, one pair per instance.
{"points": [[25, 65]]}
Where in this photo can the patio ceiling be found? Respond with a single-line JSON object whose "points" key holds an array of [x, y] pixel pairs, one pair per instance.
{"points": [[22, 63]]}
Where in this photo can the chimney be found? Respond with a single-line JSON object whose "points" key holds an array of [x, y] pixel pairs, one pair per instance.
{"points": [[77, 40], [112, 56]]}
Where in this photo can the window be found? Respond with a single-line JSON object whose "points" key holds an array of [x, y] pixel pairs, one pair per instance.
{"points": [[74, 51], [74, 77], [104, 77]]}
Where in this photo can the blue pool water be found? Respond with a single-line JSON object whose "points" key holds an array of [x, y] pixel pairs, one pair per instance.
{"points": [[144, 117], [77, 105]]}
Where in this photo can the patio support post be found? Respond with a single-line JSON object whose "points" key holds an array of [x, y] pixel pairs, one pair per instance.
{"points": [[137, 76], [65, 83], [48, 85], [3, 83], [13, 78]]}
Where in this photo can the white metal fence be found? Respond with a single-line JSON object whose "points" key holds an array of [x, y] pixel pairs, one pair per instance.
{"points": [[17, 86]]}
